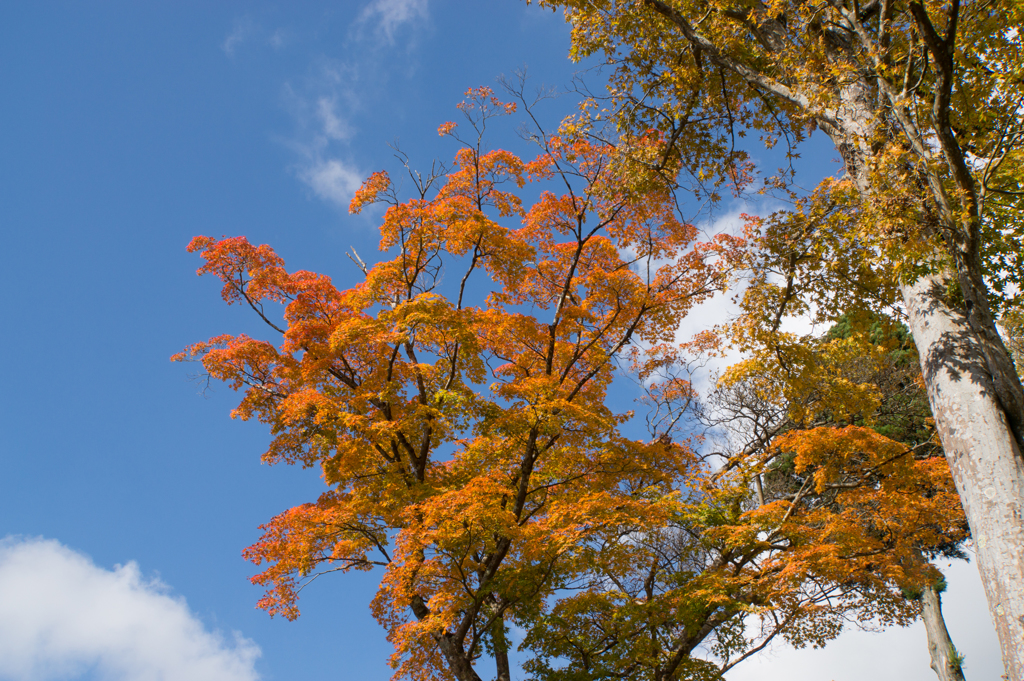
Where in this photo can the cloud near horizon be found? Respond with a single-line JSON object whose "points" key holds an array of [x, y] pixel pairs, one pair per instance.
{"points": [[61, 616]]}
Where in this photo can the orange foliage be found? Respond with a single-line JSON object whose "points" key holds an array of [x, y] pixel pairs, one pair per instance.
{"points": [[462, 425], [462, 428], [846, 516]]}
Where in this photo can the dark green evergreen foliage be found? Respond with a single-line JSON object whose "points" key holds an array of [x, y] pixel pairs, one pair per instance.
{"points": [[904, 414]]}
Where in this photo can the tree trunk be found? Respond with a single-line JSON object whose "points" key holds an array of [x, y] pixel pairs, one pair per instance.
{"points": [[454, 654], [983, 455], [945, 661], [500, 650], [458, 662]]}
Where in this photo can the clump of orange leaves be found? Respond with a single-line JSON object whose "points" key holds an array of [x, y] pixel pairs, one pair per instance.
{"points": [[455, 397]]}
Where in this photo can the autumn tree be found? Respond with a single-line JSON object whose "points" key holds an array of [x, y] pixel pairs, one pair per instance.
{"points": [[903, 415], [822, 424], [471, 453], [456, 397], [840, 530], [823, 511], [877, 357], [864, 371], [922, 100]]}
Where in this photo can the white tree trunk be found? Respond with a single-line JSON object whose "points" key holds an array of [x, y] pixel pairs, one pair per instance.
{"points": [[940, 645], [986, 463]]}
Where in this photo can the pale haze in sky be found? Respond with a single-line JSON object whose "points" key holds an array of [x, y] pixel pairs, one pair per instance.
{"points": [[127, 494]]}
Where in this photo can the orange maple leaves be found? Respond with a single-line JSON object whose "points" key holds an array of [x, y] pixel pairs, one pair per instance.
{"points": [[466, 442], [462, 424]]}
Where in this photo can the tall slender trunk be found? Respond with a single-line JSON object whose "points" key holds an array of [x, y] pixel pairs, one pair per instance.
{"points": [[975, 397], [982, 451], [501, 650], [945, 660]]}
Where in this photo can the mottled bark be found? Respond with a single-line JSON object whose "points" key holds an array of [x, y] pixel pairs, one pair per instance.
{"points": [[944, 657], [982, 452], [976, 398]]}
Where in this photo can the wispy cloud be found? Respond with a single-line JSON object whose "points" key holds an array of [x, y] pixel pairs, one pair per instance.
{"points": [[333, 126], [388, 15], [279, 38], [245, 30], [322, 110], [331, 179], [61, 615], [326, 103], [242, 30]]}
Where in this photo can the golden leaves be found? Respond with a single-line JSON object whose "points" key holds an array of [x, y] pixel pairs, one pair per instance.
{"points": [[369, 191], [462, 425]]}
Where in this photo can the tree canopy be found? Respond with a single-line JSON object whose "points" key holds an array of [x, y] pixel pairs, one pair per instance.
{"points": [[465, 431], [923, 101]]}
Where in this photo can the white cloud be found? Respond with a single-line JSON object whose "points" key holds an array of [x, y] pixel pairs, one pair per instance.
{"points": [[894, 654], [328, 100], [390, 14], [334, 126], [322, 108], [715, 311], [62, 616], [242, 30], [279, 38], [245, 30], [331, 179], [721, 308]]}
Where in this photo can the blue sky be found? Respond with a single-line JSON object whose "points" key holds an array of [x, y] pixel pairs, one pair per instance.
{"points": [[127, 129]]}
